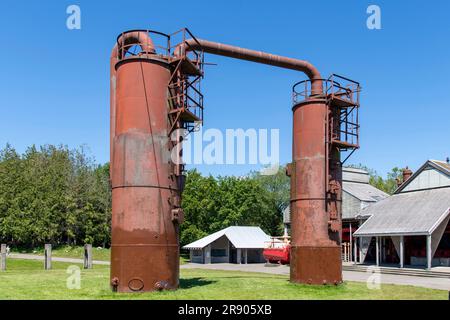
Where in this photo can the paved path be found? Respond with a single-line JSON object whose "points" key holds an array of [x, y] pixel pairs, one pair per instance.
{"points": [[38, 257], [433, 283]]}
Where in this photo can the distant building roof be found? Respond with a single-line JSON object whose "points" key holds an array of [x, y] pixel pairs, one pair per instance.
{"points": [[409, 213], [355, 175], [445, 165], [364, 192], [240, 237], [440, 166], [356, 183]]}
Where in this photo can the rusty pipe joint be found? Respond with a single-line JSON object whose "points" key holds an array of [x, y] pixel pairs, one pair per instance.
{"points": [[133, 38]]}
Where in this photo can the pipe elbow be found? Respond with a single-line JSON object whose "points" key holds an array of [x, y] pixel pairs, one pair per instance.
{"points": [[130, 39]]}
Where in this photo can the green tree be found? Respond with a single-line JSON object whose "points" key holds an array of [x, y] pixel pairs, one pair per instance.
{"points": [[212, 204], [53, 194], [388, 184]]}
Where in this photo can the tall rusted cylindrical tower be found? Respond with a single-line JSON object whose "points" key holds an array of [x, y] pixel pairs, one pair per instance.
{"points": [[153, 95], [315, 256], [324, 125], [144, 254]]}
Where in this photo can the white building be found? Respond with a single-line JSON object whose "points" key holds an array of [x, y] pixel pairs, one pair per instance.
{"points": [[412, 226], [230, 245]]}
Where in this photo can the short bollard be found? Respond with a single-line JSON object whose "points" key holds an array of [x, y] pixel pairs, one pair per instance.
{"points": [[88, 256], [48, 257], [3, 257]]}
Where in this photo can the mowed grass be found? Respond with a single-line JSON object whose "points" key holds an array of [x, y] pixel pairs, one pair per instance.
{"points": [[26, 279]]}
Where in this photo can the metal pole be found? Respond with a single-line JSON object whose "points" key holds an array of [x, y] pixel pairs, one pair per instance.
{"points": [[345, 252], [360, 250], [88, 256], [351, 243], [208, 254], [355, 252], [48, 257], [377, 250], [3, 257], [402, 249], [429, 257]]}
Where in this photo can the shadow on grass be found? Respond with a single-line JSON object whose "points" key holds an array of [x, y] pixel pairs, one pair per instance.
{"points": [[195, 282]]}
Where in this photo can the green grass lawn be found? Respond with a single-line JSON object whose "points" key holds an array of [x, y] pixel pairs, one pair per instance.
{"points": [[25, 279]]}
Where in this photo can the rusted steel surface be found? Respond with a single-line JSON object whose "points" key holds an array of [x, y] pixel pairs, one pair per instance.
{"points": [[148, 101], [316, 173], [260, 57], [145, 253], [315, 252]]}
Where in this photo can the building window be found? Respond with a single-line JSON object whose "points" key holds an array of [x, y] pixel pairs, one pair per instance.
{"points": [[219, 252]]}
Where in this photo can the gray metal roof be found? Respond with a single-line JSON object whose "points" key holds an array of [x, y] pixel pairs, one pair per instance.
{"points": [[443, 164], [355, 175], [364, 192], [409, 213], [240, 237]]}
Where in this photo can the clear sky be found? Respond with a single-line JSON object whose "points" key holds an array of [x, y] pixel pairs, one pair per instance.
{"points": [[54, 82]]}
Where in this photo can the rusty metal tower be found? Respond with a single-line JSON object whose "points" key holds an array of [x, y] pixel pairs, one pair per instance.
{"points": [[155, 90]]}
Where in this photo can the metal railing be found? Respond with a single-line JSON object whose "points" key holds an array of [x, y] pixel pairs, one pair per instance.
{"points": [[135, 46], [334, 86]]}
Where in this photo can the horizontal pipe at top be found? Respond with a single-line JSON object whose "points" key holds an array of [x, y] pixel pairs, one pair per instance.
{"points": [[259, 57]]}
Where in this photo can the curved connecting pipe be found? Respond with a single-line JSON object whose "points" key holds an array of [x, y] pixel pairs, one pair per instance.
{"points": [[259, 57]]}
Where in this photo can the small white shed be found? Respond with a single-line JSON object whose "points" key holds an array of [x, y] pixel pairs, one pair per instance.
{"points": [[230, 245]]}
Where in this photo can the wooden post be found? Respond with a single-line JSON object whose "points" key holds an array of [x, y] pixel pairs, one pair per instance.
{"points": [[245, 256], [355, 251], [88, 256], [48, 257], [3, 257], [238, 256], [429, 257]]}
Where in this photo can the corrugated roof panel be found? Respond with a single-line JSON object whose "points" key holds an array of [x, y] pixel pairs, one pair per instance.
{"points": [[442, 164], [203, 242], [406, 213], [240, 237], [364, 192], [361, 191], [247, 237]]}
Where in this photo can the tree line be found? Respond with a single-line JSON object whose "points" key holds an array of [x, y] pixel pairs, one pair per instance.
{"points": [[53, 194]]}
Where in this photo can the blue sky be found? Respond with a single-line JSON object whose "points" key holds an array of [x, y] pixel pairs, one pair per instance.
{"points": [[54, 82]]}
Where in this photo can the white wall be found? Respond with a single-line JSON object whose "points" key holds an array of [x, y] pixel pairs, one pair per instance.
{"points": [[429, 178]]}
